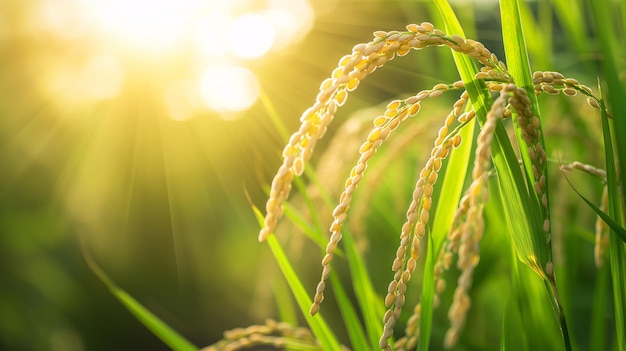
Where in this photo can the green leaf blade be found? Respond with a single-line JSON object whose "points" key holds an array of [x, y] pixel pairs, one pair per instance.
{"points": [[159, 328]]}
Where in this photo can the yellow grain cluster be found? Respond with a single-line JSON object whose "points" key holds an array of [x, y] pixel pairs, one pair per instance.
{"points": [[272, 333], [396, 112]]}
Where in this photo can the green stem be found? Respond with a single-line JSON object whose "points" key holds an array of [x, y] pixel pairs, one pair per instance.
{"points": [[558, 310]]}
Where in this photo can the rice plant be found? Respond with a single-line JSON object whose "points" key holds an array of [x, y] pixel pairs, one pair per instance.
{"points": [[472, 166], [485, 177]]}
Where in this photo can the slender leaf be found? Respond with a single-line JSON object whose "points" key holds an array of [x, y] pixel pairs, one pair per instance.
{"points": [[284, 302], [599, 312], [510, 178], [519, 68], [617, 249], [620, 231], [358, 340], [612, 63], [317, 324], [369, 302], [159, 328]]}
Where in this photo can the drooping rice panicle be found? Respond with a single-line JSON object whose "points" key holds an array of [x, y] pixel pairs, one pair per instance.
{"points": [[472, 228], [587, 168], [443, 264], [397, 111], [409, 340], [601, 228], [554, 83], [413, 229], [531, 134], [352, 69], [272, 333]]}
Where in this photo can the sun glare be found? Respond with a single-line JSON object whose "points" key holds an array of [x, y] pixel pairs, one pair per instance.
{"points": [[209, 32], [251, 36], [229, 88], [150, 24]]}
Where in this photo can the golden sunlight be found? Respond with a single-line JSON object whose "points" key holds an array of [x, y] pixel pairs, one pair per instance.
{"points": [[101, 77], [229, 88], [149, 24], [251, 35], [183, 37], [182, 100]]}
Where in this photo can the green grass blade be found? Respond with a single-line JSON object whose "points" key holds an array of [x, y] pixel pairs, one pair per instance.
{"points": [[540, 48], [357, 337], [611, 45], [519, 68], [428, 293], [570, 14], [370, 303], [286, 308], [310, 230], [599, 314], [511, 181], [617, 248], [511, 325], [317, 324], [511, 338], [618, 230], [274, 117], [168, 335]]}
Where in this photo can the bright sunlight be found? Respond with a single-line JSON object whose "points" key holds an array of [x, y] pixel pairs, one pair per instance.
{"points": [[201, 35]]}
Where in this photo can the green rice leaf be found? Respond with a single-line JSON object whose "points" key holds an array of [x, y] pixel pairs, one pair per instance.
{"points": [[611, 45], [620, 231], [511, 338], [317, 324], [617, 249], [510, 178], [314, 233], [159, 328], [284, 303], [519, 67], [513, 321], [274, 117], [599, 315], [351, 320], [369, 302]]}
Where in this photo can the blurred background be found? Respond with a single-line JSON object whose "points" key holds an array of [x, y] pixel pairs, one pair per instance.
{"points": [[139, 127]]}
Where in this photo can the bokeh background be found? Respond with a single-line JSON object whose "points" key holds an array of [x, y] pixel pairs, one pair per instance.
{"points": [[138, 127]]}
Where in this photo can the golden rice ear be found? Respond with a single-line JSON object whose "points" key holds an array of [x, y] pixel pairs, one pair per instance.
{"points": [[414, 228], [364, 60], [272, 334], [397, 111], [471, 229]]}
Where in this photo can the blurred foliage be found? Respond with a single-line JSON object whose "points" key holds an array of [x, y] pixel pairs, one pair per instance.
{"points": [[161, 203]]}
